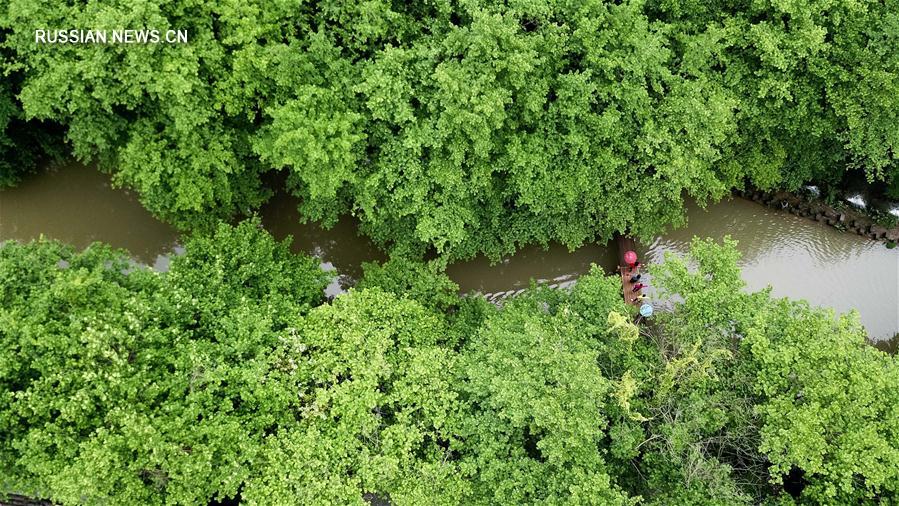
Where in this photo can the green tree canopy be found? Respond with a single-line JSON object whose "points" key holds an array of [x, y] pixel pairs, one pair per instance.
{"points": [[374, 397], [229, 376], [470, 127], [122, 383], [814, 403]]}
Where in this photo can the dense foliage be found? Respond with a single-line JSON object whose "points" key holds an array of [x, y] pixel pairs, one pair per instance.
{"points": [[24, 145], [470, 126], [230, 376], [119, 382]]}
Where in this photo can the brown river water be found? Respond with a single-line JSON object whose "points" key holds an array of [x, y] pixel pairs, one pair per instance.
{"points": [[797, 257]]}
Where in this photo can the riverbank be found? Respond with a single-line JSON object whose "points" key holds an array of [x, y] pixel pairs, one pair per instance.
{"points": [[845, 219]]}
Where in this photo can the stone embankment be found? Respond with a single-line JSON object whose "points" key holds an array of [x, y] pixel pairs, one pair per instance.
{"points": [[843, 219]]}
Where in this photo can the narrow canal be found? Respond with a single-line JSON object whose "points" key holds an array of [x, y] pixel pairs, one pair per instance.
{"points": [[799, 258]]}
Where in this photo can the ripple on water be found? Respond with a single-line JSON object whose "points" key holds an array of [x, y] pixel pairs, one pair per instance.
{"points": [[800, 258]]}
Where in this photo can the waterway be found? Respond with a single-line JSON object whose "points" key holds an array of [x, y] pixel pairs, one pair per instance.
{"points": [[798, 258]]}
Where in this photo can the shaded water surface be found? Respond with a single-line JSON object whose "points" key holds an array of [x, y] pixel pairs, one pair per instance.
{"points": [[339, 248], [799, 258], [554, 266]]}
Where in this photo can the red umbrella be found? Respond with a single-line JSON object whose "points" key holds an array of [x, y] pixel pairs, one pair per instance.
{"points": [[630, 257]]}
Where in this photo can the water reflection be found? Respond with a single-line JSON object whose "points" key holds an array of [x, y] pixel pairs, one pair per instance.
{"points": [[554, 266], [798, 257], [339, 248]]}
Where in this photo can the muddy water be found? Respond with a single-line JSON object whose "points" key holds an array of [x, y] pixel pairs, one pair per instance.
{"points": [[554, 266], [799, 258], [340, 248], [77, 205]]}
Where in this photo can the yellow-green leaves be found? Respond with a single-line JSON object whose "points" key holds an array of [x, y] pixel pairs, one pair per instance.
{"points": [[468, 128], [622, 327], [625, 389], [827, 403]]}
